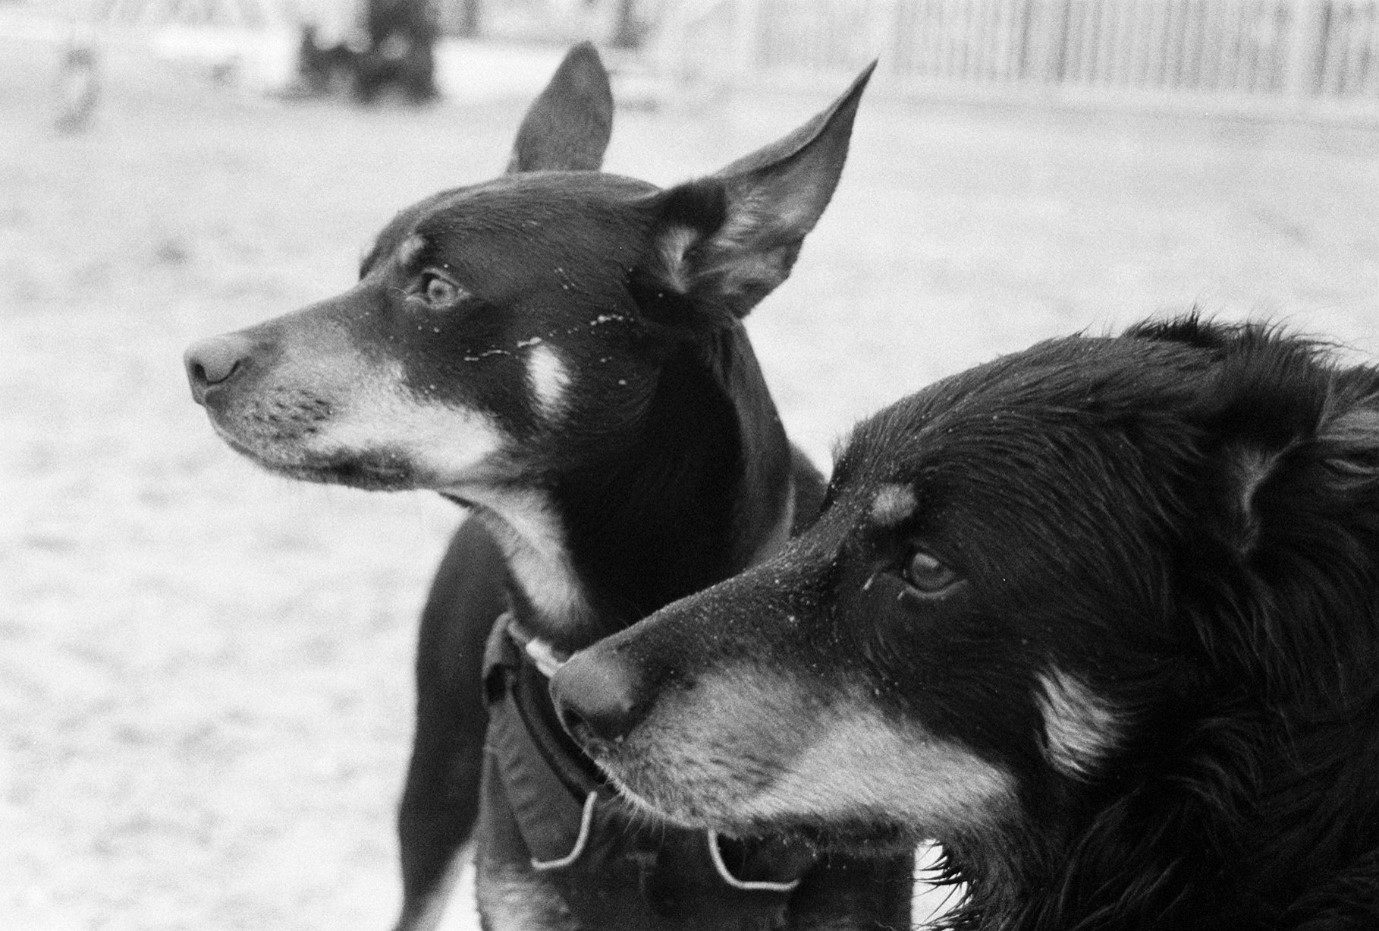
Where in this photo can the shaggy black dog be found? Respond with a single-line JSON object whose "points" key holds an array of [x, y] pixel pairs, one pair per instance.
{"points": [[1101, 616]]}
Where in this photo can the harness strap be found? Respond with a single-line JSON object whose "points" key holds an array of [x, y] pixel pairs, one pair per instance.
{"points": [[545, 790], [746, 885], [554, 825], [586, 823]]}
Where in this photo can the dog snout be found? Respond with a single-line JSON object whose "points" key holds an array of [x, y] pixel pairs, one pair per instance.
{"points": [[599, 695], [215, 361]]}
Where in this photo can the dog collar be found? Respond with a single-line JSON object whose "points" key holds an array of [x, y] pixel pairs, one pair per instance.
{"points": [[573, 828]]}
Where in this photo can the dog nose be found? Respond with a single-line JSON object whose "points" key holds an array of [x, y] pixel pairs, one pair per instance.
{"points": [[214, 361], [596, 695]]}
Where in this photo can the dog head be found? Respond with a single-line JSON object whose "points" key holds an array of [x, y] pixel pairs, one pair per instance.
{"points": [[500, 330], [1036, 596]]}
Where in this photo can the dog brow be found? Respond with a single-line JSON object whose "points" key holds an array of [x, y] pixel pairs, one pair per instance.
{"points": [[893, 505], [410, 249]]}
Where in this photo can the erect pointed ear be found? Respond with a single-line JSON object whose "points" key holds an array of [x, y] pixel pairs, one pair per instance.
{"points": [[567, 127], [733, 237]]}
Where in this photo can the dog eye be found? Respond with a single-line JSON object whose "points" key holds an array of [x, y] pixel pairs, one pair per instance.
{"points": [[438, 291], [927, 573]]}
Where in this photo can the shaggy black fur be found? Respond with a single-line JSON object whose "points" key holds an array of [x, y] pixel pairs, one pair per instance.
{"points": [[1185, 521]]}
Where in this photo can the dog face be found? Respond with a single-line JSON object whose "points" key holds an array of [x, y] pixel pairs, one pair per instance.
{"points": [[458, 348], [505, 331], [1029, 582]]}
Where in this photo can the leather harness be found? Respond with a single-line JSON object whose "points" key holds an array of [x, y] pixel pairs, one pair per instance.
{"points": [[615, 868]]}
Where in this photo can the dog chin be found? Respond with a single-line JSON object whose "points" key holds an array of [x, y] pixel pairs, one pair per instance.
{"points": [[711, 807], [676, 814], [700, 808], [370, 470], [861, 837], [665, 802], [358, 473]]}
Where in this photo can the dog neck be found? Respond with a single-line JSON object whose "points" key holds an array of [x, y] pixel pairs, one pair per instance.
{"points": [[1261, 817], [697, 492]]}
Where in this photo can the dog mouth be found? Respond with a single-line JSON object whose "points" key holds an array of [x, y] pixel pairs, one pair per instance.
{"points": [[700, 811], [353, 473], [848, 779], [368, 470], [277, 433], [372, 436], [701, 803], [681, 808], [643, 787]]}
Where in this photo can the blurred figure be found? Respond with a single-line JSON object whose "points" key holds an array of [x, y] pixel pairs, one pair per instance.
{"points": [[468, 18], [393, 48], [401, 51], [629, 28], [77, 88], [322, 67]]}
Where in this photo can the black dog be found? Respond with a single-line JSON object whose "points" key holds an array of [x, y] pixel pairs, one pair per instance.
{"points": [[562, 350], [1101, 616], [398, 50], [401, 46]]}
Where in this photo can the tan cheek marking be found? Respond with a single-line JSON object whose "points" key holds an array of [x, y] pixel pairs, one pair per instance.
{"points": [[745, 745], [447, 444], [548, 379], [1079, 727], [893, 505], [862, 766]]}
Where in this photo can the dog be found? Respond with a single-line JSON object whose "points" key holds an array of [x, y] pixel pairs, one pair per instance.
{"points": [[400, 51], [1101, 616], [562, 351]]}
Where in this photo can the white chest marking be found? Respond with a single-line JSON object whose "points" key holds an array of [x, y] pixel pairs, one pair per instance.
{"points": [[534, 543]]}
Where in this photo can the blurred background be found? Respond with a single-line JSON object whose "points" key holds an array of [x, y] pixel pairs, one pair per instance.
{"points": [[205, 671]]}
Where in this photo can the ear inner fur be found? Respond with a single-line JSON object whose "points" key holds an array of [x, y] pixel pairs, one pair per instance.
{"points": [[752, 216]]}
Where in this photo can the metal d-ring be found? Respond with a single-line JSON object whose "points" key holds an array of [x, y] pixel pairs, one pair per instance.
{"points": [[746, 885], [585, 824]]}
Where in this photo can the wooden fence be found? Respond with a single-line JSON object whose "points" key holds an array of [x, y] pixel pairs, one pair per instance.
{"points": [[1301, 57]]}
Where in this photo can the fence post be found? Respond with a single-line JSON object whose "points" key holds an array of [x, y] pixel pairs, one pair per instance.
{"points": [[1056, 39], [1304, 48]]}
